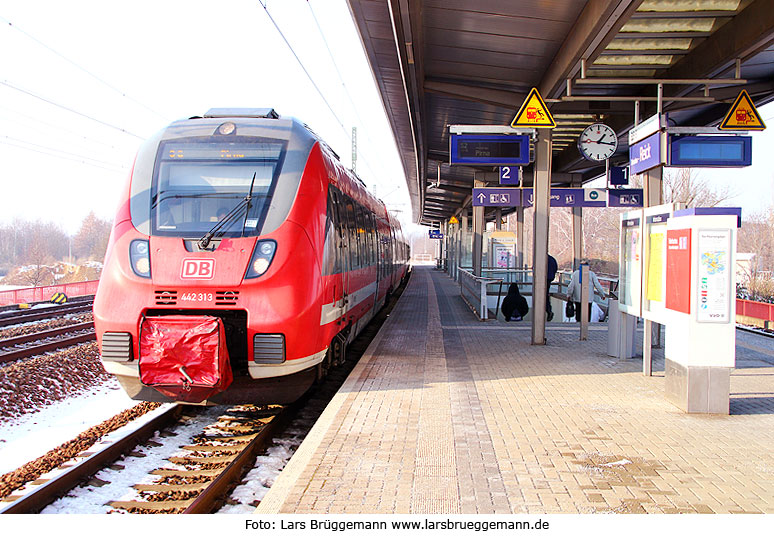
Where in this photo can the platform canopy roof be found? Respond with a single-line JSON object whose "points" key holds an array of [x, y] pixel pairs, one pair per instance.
{"points": [[447, 62]]}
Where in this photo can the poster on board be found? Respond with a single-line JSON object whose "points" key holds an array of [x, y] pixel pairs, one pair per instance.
{"points": [[655, 266], [678, 270], [630, 263], [714, 276]]}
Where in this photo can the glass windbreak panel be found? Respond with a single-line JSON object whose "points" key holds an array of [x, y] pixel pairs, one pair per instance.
{"points": [[196, 184]]}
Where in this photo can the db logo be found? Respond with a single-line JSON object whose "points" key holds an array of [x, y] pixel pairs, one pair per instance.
{"points": [[198, 268]]}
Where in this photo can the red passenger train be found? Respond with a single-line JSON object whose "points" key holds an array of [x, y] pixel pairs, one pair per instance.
{"points": [[243, 259]]}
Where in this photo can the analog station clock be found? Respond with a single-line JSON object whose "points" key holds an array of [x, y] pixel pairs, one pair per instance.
{"points": [[597, 142]]}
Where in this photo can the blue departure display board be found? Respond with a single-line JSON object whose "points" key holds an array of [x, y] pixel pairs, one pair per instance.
{"points": [[495, 150], [710, 151]]}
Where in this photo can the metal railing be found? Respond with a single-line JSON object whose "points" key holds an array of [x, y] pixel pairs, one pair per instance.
{"points": [[44, 293], [474, 291], [754, 313], [484, 294]]}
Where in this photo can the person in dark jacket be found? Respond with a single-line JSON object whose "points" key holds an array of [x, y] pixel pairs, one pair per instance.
{"points": [[552, 267], [515, 306]]}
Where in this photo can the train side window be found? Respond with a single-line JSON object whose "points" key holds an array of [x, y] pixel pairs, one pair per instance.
{"points": [[365, 241], [354, 255], [372, 237], [339, 219], [362, 236], [329, 249]]}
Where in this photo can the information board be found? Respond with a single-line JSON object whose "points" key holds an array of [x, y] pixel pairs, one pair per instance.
{"points": [[630, 263], [713, 302], [654, 245]]}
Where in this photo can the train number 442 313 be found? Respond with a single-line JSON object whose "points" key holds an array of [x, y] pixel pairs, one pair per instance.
{"points": [[198, 297]]}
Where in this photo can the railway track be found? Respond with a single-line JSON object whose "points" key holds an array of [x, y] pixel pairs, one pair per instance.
{"points": [[202, 471], [196, 481], [29, 345], [25, 316], [212, 466]]}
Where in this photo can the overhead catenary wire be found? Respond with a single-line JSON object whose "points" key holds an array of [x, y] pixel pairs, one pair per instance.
{"points": [[80, 136], [73, 111], [346, 90], [83, 69], [311, 79], [303, 67], [65, 155]]}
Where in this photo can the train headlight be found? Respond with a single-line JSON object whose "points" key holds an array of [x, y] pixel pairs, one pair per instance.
{"points": [[263, 254], [139, 255]]}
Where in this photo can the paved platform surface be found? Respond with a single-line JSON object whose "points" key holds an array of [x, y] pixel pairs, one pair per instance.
{"points": [[448, 415]]}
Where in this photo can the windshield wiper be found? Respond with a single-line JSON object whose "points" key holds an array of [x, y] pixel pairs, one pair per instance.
{"points": [[221, 226]]}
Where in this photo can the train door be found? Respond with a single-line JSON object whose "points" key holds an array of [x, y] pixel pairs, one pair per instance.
{"points": [[373, 235], [342, 247]]}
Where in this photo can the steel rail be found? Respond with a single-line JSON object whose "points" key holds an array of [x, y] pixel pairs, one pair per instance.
{"points": [[46, 347], [52, 312], [207, 501], [26, 338], [46, 493]]}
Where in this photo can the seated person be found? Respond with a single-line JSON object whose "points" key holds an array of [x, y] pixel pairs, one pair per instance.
{"points": [[515, 306]]}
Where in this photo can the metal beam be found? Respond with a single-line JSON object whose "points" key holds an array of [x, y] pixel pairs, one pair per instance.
{"points": [[748, 32], [541, 212], [596, 26], [477, 93], [404, 21]]}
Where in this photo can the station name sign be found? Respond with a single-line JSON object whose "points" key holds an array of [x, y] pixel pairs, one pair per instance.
{"points": [[646, 154]]}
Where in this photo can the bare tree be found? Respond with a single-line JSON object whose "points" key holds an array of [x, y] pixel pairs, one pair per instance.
{"points": [[687, 186], [37, 272]]}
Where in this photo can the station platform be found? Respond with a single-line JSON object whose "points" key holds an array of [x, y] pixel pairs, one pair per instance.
{"points": [[448, 415]]}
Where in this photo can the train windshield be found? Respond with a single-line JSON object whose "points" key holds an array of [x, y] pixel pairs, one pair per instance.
{"points": [[196, 183]]}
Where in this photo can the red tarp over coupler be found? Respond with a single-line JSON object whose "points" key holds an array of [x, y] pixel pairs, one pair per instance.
{"points": [[184, 357]]}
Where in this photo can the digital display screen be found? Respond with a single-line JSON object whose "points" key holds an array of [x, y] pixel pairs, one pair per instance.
{"points": [[485, 148], [709, 151], [489, 149], [221, 152]]}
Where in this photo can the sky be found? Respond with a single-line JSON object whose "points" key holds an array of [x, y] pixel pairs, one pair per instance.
{"points": [[83, 83]]}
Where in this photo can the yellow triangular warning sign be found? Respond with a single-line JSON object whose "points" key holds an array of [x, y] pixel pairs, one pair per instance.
{"points": [[742, 116], [533, 113]]}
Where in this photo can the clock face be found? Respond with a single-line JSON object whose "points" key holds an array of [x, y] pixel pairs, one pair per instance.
{"points": [[597, 142]]}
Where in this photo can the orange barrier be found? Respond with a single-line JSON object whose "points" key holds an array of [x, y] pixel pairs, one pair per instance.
{"points": [[44, 293]]}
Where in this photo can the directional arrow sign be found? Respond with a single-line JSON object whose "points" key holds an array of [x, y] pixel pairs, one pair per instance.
{"points": [[625, 198], [570, 198], [496, 197]]}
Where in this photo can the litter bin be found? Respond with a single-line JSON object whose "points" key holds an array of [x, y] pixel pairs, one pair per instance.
{"points": [[617, 323]]}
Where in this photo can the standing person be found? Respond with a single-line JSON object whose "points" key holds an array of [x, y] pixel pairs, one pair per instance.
{"points": [[550, 275], [515, 306], [574, 291]]}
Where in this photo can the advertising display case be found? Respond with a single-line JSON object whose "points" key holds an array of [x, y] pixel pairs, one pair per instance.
{"points": [[700, 296], [655, 248], [630, 263]]}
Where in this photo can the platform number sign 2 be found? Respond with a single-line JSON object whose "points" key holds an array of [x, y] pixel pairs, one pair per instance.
{"points": [[509, 175]]}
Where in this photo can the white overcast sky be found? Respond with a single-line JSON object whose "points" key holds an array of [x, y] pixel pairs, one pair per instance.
{"points": [[83, 82]]}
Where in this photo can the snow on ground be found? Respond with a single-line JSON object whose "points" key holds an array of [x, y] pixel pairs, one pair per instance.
{"points": [[132, 469], [25, 439]]}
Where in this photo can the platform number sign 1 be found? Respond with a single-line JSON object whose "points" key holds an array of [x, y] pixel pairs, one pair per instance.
{"points": [[509, 175]]}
